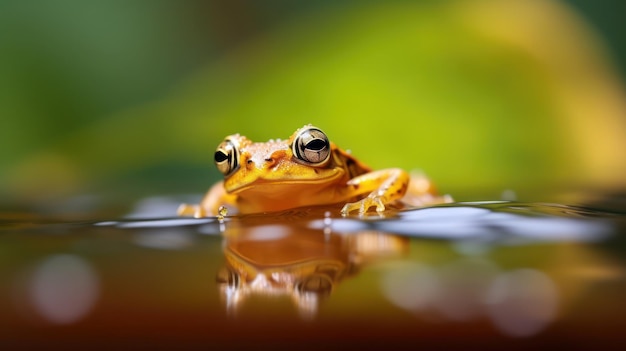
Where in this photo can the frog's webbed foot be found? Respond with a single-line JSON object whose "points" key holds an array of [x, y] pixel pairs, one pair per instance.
{"points": [[384, 186], [364, 205], [196, 211]]}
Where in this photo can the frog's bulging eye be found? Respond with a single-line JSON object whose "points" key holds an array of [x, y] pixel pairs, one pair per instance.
{"points": [[311, 145], [227, 157]]}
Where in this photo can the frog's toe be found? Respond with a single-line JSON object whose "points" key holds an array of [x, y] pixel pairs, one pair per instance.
{"points": [[345, 209], [364, 205], [350, 207]]}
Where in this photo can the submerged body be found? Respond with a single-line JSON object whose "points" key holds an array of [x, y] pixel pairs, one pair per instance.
{"points": [[305, 170]]}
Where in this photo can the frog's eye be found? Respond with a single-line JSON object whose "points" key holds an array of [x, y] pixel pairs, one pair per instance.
{"points": [[311, 145], [227, 157]]}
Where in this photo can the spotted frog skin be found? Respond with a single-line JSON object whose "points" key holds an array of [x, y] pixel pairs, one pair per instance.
{"points": [[304, 170]]}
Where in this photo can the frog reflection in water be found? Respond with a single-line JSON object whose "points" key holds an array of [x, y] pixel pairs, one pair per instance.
{"points": [[303, 265], [305, 170]]}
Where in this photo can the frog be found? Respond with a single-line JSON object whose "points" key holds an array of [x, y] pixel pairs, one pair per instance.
{"points": [[307, 169]]}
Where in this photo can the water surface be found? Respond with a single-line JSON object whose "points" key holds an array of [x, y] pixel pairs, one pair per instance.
{"points": [[500, 274]]}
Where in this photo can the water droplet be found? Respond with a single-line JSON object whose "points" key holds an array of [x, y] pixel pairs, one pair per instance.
{"points": [[222, 212]]}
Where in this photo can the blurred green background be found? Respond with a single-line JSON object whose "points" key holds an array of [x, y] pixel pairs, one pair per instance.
{"points": [[129, 98]]}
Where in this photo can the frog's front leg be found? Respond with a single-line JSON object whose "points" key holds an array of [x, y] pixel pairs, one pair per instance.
{"points": [[384, 186], [210, 204]]}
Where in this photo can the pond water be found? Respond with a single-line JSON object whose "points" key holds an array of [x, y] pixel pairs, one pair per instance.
{"points": [[502, 274]]}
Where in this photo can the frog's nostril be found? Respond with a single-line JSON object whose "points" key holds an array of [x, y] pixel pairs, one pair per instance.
{"points": [[270, 162]]}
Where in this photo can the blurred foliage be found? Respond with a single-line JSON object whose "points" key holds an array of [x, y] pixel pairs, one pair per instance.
{"points": [[482, 95]]}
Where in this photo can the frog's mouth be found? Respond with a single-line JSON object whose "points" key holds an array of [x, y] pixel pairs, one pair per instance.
{"points": [[283, 187]]}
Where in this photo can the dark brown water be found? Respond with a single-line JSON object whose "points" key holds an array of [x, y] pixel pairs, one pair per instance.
{"points": [[498, 275]]}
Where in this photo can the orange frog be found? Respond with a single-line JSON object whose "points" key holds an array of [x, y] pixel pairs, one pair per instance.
{"points": [[305, 170]]}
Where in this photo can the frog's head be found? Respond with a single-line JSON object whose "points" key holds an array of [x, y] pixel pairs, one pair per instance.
{"points": [[305, 158]]}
